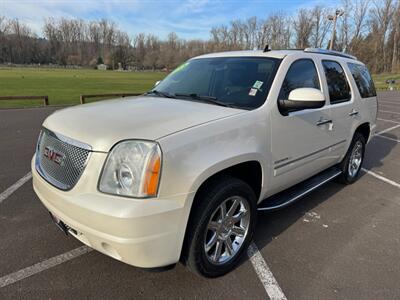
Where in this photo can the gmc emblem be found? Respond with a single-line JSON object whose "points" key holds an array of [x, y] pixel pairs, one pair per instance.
{"points": [[53, 155]]}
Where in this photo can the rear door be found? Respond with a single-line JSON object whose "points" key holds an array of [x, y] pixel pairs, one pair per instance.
{"points": [[300, 140], [344, 112], [366, 103]]}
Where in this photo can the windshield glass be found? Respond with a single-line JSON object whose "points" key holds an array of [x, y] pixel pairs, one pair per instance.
{"points": [[241, 82]]}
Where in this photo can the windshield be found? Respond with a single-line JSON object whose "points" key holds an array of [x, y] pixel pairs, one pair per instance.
{"points": [[241, 82]]}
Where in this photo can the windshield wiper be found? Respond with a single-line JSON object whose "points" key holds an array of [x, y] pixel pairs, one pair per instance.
{"points": [[159, 93], [208, 99]]}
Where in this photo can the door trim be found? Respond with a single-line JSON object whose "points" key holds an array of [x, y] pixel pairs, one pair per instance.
{"points": [[306, 156]]}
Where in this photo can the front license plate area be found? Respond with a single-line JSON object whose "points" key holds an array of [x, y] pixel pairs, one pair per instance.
{"points": [[60, 224]]}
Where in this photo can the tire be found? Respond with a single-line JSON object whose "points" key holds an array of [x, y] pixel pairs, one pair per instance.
{"points": [[351, 172], [206, 226]]}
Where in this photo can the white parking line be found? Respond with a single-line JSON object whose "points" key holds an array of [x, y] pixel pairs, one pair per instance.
{"points": [[388, 102], [391, 106], [386, 120], [384, 179], [387, 129], [390, 112], [42, 266], [388, 138], [260, 266], [265, 275], [4, 195]]}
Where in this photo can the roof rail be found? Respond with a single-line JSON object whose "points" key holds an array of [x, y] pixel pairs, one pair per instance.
{"points": [[329, 52]]}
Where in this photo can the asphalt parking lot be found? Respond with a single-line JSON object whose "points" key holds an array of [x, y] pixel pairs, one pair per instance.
{"points": [[340, 242]]}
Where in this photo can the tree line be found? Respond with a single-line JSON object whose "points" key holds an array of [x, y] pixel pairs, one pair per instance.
{"points": [[368, 29]]}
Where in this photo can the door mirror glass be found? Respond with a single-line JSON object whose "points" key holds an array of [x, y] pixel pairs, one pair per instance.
{"points": [[302, 98]]}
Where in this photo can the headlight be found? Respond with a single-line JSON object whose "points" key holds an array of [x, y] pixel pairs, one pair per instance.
{"points": [[132, 169]]}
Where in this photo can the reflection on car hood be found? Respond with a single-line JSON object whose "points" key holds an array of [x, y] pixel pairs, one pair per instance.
{"points": [[102, 124]]}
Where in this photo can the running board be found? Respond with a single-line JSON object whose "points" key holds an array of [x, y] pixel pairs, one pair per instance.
{"points": [[298, 191]]}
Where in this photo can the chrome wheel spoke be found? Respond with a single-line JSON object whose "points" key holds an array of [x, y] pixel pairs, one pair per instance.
{"points": [[229, 248], [223, 210], [238, 231], [236, 218], [233, 208], [213, 226], [211, 243], [218, 251]]}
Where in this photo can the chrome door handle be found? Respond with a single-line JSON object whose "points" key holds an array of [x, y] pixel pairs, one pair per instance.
{"points": [[323, 122], [353, 113]]}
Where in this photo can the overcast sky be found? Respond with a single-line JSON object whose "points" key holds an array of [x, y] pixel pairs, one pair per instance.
{"points": [[189, 19]]}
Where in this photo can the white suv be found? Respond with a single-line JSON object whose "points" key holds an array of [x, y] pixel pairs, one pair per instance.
{"points": [[179, 173]]}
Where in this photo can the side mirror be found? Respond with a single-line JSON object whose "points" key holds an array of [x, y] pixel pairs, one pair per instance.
{"points": [[302, 98], [157, 83]]}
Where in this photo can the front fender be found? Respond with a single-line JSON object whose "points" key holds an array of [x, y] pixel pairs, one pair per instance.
{"points": [[222, 165], [193, 155]]}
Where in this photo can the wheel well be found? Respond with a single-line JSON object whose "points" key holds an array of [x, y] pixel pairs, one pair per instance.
{"points": [[250, 172], [364, 130]]}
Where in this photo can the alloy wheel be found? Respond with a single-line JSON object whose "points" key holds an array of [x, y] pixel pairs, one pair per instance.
{"points": [[355, 159], [227, 230]]}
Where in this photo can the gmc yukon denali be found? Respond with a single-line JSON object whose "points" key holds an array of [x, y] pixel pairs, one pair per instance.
{"points": [[179, 173]]}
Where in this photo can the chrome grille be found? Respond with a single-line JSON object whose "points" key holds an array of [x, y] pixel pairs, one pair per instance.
{"points": [[60, 160]]}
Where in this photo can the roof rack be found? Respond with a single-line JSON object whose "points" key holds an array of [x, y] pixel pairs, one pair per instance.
{"points": [[329, 52]]}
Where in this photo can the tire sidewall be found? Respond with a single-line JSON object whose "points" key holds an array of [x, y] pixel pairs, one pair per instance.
{"points": [[205, 267], [345, 168]]}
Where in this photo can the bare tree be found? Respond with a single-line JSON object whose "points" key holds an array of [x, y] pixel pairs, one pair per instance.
{"points": [[279, 31], [395, 67], [321, 26], [381, 17], [369, 29], [359, 16], [303, 26], [344, 26]]}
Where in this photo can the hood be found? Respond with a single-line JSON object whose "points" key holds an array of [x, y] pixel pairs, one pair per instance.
{"points": [[103, 124]]}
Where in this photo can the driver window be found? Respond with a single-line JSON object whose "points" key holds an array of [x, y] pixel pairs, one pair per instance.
{"points": [[301, 74]]}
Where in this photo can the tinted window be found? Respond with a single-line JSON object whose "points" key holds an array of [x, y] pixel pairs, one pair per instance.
{"points": [[302, 73], [339, 89], [363, 80], [243, 82]]}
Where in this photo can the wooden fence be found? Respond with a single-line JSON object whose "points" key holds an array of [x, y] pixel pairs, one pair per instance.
{"points": [[45, 99], [121, 95], [83, 98]]}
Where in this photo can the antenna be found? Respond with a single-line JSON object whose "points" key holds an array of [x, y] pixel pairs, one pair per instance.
{"points": [[266, 49]]}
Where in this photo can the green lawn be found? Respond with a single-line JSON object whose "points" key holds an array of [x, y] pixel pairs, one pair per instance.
{"points": [[64, 86], [380, 80]]}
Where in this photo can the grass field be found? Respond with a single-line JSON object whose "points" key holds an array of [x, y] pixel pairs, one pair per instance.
{"points": [[380, 80], [64, 86]]}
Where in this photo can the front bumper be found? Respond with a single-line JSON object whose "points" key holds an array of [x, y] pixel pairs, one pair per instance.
{"points": [[146, 233]]}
